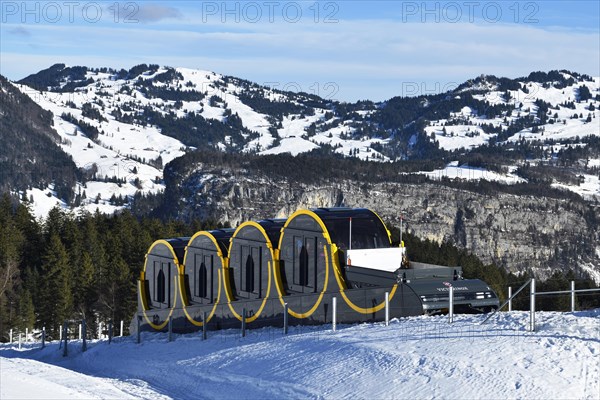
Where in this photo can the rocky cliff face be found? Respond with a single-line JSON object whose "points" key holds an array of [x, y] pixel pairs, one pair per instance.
{"points": [[516, 232]]}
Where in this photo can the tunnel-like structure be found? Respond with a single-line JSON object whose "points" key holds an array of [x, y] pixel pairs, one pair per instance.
{"points": [[158, 290], [309, 235], [264, 269], [312, 259], [249, 274], [206, 255]]}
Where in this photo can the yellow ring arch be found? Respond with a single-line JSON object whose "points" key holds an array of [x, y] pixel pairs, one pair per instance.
{"points": [[318, 302], [356, 308], [212, 311], [145, 306], [335, 264], [269, 268], [278, 281], [310, 214], [325, 232], [182, 291], [386, 229]]}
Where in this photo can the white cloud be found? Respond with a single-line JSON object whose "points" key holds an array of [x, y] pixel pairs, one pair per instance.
{"points": [[20, 31], [152, 12]]}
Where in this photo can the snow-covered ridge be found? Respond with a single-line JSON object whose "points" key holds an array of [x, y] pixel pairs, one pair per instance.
{"points": [[125, 153], [131, 155], [416, 357], [107, 121], [568, 117]]}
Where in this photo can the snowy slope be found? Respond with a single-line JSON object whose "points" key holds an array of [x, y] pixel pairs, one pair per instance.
{"points": [[129, 153], [588, 189], [417, 357], [462, 129], [454, 171], [30, 379], [124, 151]]}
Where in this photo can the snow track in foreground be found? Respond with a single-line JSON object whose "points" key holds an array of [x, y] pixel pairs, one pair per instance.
{"points": [[417, 357]]}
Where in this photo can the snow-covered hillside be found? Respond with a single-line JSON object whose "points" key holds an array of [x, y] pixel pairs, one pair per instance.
{"points": [[417, 357], [122, 127], [455, 171], [131, 154], [566, 116]]}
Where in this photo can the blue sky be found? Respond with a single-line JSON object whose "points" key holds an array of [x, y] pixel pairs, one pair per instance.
{"points": [[346, 50]]}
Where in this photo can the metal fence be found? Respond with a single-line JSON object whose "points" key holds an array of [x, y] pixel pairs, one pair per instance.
{"points": [[70, 330], [533, 295], [532, 299], [64, 331]]}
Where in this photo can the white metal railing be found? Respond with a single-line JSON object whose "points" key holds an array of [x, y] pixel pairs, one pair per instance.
{"points": [[572, 292], [511, 296], [532, 297], [508, 301], [532, 306], [451, 304], [80, 333]]}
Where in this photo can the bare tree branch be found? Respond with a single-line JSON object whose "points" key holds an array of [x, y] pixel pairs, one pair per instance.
{"points": [[8, 273]]}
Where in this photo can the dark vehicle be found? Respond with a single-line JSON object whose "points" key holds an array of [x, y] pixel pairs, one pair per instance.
{"points": [[303, 263]]}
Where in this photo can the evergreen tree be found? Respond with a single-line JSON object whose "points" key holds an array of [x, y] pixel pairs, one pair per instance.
{"points": [[26, 312], [72, 236], [118, 295], [55, 302], [85, 296], [10, 247]]}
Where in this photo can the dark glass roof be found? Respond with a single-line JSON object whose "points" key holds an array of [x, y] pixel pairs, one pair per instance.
{"points": [[368, 231], [178, 245], [273, 229], [222, 236]]}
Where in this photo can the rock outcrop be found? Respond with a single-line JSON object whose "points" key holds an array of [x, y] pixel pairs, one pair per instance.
{"points": [[520, 233]]}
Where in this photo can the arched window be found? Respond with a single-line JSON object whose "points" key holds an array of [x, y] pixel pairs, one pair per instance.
{"points": [[202, 284], [249, 274], [303, 265], [160, 287]]}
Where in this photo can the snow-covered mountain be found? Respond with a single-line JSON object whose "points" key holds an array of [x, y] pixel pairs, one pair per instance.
{"points": [[122, 127]]}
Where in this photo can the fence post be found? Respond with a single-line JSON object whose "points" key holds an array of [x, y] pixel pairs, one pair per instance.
{"points": [[139, 335], [19, 340], [60, 334], [121, 328], [572, 296], [532, 307], [509, 298], [83, 334], [451, 305], [170, 329], [204, 322], [11, 336], [79, 331], [43, 337], [26, 335], [65, 337], [110, 331], [285, 318], [244, 322], [387, 308], [100, 330], [334, 314]]}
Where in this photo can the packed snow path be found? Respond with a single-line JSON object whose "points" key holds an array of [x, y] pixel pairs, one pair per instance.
{"points": [[417, 357]]}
